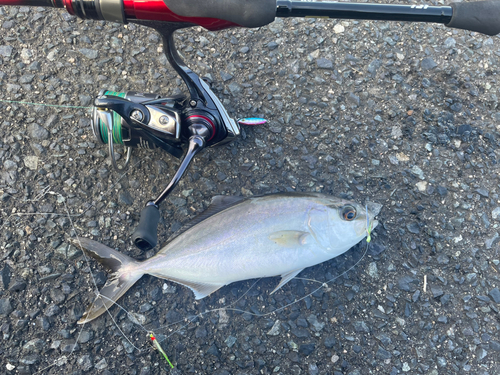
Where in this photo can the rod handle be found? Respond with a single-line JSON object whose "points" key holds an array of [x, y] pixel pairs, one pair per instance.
{"points": [[480, 16]]}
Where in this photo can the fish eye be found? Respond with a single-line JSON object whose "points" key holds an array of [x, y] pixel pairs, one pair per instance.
{"points": [[348, 213]]}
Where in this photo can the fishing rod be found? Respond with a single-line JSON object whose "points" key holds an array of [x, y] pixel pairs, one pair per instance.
{"points": [[199, 120], [480, 16]]}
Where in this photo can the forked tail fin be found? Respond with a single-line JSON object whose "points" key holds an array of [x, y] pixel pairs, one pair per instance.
{"points": [[125, 273]]}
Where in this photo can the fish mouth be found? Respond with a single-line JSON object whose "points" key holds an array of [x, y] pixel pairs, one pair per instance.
{"points": [[362, 230], [373, 208]]}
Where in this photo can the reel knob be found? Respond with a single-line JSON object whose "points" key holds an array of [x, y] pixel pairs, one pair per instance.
{"points": [[145, 236]]}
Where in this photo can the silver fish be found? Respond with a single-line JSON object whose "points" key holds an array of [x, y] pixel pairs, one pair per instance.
{"points": [[238, 239]]}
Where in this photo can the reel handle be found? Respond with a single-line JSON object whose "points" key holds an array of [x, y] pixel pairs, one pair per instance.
{"points": [[145, 235]]}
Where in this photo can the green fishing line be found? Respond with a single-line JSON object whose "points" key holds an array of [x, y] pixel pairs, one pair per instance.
{"points": [[45, 105]]}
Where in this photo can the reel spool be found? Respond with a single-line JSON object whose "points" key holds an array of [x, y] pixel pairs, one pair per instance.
{"points": [[122, 133], [136, 120]]}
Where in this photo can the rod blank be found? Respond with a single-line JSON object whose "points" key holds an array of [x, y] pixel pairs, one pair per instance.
{"points": [[365, 11]]}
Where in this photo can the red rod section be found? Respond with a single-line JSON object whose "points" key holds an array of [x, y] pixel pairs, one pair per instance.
{"points": [[145, 10], [156, 10]]}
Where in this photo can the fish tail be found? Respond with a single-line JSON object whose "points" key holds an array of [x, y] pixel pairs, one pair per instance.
{"points": [[123, 276]]}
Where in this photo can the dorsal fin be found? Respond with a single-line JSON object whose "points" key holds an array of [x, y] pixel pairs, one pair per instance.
{"points": [[224, 201], [219, 203]]}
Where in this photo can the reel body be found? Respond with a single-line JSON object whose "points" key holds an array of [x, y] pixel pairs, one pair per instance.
{"points": [[150, 121]]}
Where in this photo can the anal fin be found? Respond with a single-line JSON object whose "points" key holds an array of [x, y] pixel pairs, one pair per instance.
{"points": [[200, 290], [286, 277]]}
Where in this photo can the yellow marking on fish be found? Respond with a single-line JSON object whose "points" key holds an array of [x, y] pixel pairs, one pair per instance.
{"points": [[289, 238]]}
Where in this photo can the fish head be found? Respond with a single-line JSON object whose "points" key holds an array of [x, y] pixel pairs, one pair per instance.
{"points": [[349, 222]]}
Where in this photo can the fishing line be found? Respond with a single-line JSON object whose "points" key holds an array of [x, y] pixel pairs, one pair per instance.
{"points": [[96, 290], [46, 105], [93, 279], [134, 320], [192, 318], [311, 293], [90, 269], [189, 319], [45, 192], [40, 195]]}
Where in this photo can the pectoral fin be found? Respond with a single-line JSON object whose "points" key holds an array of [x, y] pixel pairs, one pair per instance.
{"points": [[286, 277], [289, 238]]}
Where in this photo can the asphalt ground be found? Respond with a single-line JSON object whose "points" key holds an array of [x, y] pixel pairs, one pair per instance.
{"points": [[405, 115]]}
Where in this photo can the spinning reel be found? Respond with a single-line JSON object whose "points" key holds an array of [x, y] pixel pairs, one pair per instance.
{"points": [[139, 120]]}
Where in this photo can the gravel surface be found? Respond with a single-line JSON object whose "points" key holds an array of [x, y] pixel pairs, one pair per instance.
{"points": [[405, 115]]}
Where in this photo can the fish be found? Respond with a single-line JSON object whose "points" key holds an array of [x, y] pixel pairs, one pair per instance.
{"points": [[237, 239]]}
